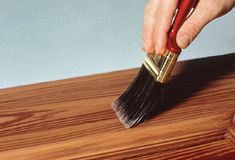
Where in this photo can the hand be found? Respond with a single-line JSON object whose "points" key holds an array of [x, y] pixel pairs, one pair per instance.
{"points": [[158, 16]]}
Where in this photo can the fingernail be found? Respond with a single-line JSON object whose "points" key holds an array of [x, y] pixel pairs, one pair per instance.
{"points": [[184, 41], [162, 50], [148, 47], [159, 49]]}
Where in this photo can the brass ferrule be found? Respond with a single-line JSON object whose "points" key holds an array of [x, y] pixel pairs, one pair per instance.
{"points": [[160, 66]]}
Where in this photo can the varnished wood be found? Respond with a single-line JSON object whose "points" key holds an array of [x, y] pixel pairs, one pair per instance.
{"points": [[73, 118]]}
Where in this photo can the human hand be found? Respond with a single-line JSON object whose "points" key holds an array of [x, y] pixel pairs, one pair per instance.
{"points": [[159, 14]]}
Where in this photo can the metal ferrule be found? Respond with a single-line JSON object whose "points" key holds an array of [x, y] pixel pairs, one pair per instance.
{"points": [[160, 66]]}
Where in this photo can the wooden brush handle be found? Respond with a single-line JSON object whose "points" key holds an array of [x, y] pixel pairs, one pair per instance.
{"points": [[184, 9]]}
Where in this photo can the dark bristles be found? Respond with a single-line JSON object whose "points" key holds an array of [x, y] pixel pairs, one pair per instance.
{"points": [[141, 99]]}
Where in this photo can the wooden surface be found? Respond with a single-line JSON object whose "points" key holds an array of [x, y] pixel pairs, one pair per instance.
{"points": [[73, 119]]}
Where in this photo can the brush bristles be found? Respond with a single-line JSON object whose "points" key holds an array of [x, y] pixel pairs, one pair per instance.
{"points": [[140, 101]]}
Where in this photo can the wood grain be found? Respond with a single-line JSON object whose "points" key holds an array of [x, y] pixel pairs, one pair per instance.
{"points": [[73, 118]]}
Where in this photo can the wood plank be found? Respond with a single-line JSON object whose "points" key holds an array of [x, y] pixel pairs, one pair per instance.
{"points": [[73, 118]]}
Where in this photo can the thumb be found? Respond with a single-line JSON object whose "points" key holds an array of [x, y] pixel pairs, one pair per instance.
{"points": [[187, 34], [201, 16]]}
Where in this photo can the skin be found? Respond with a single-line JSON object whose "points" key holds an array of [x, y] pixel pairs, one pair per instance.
{"points": [[158, 16]]}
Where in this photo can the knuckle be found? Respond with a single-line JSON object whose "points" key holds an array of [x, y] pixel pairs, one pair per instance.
{"points": [[150, 8], [146, 31], [213, 9]]}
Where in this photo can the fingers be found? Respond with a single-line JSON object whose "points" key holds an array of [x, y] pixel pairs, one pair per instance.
{"points": [[158, 17], [205, 11], [164, 16], [157, 21], [149, 25]]}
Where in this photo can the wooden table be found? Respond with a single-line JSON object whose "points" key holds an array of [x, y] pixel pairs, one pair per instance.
{"points": [[73, 118]]}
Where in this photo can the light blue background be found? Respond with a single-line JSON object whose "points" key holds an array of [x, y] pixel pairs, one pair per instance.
{"points": [[44, 40]]}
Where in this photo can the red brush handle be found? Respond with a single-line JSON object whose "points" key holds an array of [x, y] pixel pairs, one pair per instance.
{"points": [[184, 8]]}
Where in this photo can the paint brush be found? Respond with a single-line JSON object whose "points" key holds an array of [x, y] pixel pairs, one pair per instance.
{"points": [[144, 95]]}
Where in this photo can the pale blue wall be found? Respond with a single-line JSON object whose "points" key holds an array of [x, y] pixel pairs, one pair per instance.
{"points": [[44, 40]]}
